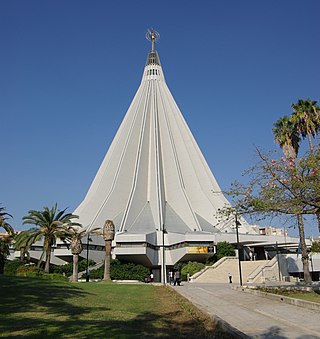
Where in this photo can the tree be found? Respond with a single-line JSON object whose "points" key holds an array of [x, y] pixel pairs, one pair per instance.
{"points": [[315, 247], [23, 242], [3, 223], [6, 239], [281, 187], [306, 119], [108, 236], [51, 224], [287, 136], [225, 249], [286, 186], [75, 235]]}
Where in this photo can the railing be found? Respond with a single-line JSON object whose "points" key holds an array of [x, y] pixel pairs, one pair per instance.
{"points": [[261, 271], [215, 265]]}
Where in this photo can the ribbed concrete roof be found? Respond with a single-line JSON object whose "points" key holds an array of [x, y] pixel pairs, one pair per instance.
{"points": [[154, 175]]}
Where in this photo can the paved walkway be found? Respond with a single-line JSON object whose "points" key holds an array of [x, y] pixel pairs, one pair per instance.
{"points": [[254, 316]]}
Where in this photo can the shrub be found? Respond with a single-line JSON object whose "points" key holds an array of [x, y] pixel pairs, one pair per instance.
{"points": [[179, 266], [83, 264], [35, 272], [191, 268], [54, 276], [23, 271], [121, 271], [96, 274], [128, 271], [67, 268], [10, 267]]}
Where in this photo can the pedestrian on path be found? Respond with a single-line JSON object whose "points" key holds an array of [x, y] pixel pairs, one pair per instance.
{"points": [[176, 278], [251, 255], [230, 278], [171, 277]]}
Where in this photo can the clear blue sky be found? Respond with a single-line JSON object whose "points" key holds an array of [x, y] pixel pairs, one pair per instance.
{"points": [[69, 70]]}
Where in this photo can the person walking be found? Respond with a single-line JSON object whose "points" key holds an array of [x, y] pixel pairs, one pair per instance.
{"points": [[171, 277], [176, 278], [230, 278]]}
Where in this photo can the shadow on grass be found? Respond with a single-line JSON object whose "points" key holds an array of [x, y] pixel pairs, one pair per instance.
{"points": [[19, 294], [33, 308], [143, 325]]}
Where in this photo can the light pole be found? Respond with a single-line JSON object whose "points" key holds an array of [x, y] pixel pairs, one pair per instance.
{"points": [[164, 275], [238, 246], [311, 266], [278, 260]]}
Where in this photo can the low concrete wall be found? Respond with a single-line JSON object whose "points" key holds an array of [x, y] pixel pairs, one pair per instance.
{"points": [[288, 300]]}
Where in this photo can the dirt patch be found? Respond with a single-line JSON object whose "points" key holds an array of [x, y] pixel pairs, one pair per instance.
{"points": [[184, 320]]}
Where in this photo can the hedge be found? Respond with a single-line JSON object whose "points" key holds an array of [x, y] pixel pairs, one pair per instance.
{"points": [[121, 271]]}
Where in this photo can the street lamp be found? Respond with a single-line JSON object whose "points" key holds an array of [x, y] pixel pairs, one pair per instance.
{"points": [[238, 246], [164, 275], [278, 260], [311, 266]]}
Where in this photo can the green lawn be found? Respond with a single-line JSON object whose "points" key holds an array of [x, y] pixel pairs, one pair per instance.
{"points": [[309, 296], [298, 294], [39, 309]]}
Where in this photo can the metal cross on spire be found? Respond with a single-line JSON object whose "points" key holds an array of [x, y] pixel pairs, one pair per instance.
{"points": [[153, 36]]}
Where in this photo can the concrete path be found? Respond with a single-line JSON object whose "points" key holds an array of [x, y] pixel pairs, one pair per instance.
{"points": [[254, 316]]}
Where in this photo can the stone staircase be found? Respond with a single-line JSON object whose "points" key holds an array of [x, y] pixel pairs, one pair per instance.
{"points": [[218, 272]]}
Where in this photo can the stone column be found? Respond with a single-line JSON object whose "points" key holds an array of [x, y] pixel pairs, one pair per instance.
{"points": [[76, 249], [108, 236]]}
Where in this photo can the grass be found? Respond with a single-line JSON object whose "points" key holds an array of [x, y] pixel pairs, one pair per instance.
{"points": [[308, 296], [38, 308], [297, 294]]}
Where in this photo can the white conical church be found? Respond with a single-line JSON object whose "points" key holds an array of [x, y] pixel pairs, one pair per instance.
{"points": [[154, 175], [155, 184]]}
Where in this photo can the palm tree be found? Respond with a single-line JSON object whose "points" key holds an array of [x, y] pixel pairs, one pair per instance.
{"points": [[75, 236], [3, 217], [287, 136], [306, 118], [6, 239], [52, 224], [108, 236], [304, 250], [24, 240]]}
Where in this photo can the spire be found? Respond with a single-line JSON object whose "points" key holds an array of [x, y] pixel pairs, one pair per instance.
{"points": [[153, 36]]}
